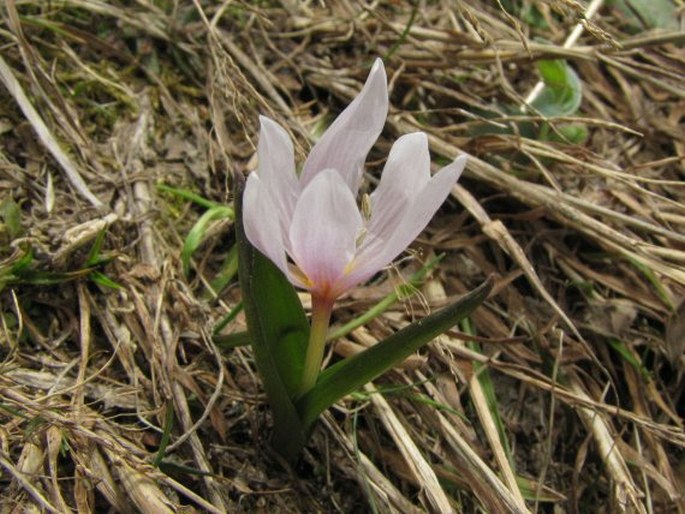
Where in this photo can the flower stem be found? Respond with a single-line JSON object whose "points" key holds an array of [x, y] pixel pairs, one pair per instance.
{"points": [[321, 316]]}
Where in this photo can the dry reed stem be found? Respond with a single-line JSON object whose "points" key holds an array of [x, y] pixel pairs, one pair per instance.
{"points": [[370, 477], [423, 473]]}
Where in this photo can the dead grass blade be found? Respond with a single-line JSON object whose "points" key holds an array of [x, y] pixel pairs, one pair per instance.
{"points": [[44, 134], [422, 471]]}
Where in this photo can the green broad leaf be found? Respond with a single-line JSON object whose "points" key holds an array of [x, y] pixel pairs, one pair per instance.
{"points": [[197, 233], [563, 90], [283, 324], [350, 374], [279, 331]]}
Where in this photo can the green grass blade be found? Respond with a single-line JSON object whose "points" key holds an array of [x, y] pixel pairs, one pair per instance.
{"points": [[488, 387], [197, 233], [228, 318], [228, 270], [378, 309], [193, 197], [229, 341], [166, 435]]}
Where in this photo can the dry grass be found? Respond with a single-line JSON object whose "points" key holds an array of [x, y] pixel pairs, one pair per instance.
{"points": [[563, 393]]}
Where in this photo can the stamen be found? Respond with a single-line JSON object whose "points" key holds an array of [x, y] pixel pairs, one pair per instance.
{"points": [[366, 207]]}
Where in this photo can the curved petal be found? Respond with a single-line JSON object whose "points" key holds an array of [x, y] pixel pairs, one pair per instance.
{"points": [[348, 140], [323, 234], [406, 172], [379, 252], [262, 226], [276, 168]]}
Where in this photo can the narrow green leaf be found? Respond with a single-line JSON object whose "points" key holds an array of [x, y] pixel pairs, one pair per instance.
{"points": [[100, 278], [186, 195], [228, 270], [94, 258], [228, 318], [488, 387], [23, 262], [234, 340], [197, 233], [350, 374], [279, 331], [620, 348], [166, 435], [654, 280], [193, 197], [403, 36], [49, 278]]}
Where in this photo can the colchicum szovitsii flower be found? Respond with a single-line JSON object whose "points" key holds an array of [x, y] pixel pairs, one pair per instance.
{"points": [[311, 225]]}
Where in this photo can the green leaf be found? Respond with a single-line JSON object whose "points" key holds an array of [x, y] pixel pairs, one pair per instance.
{"points": [[100, 278], [563, 90], [279, 331], [403, 36], [228, 318], [488, 387], [621, 348], [229, 341], [197, 233], [189, 195], [94, 258], [166, 435], [350, 374], [650, 275], [228, 270]]}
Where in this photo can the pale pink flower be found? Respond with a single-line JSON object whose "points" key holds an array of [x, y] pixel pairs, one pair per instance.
{"points": [[311, 226]]}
